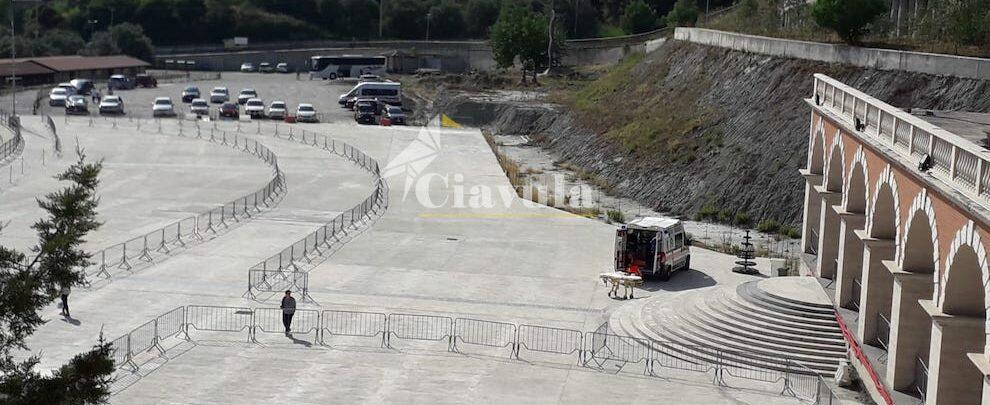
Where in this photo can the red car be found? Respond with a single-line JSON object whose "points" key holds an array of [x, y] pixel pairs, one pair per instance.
{"points": [[145, 80], [230, 110]]}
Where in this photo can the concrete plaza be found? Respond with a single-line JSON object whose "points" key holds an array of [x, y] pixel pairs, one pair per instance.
{"points": [[451, 243]]}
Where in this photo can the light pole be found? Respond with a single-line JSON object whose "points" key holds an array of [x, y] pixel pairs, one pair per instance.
{"points": [[13, 56], [428, 15], [381, 14]]}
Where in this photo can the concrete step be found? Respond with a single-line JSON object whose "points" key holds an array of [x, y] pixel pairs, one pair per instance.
{"points": [[755, 298], [625, 322], [719, 302], [734, 301], [752, 291], [829, 307], [714, 320], [766, 347], [674, 322]]}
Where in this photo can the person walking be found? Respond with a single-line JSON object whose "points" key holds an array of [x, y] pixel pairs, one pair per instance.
{"points": [[96, 96], [288, 309], [64, 292]]}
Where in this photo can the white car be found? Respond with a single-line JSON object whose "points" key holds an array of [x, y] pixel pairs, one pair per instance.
{"points": [[306, 113], [248, 67], [163, 107], [199, 107], [276, 110], [69, 88], [57, 97], [246, 95], [255, 108], [111, 105], [219, 95]]}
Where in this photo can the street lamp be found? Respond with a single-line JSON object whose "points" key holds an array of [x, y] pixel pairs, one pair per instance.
{"points": [[428, 15], [13, 55]]}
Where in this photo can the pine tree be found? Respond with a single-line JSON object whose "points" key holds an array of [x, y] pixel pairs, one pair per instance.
{"points": [[31, 281]]}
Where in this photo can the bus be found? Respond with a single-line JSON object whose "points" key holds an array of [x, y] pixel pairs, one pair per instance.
{"points": [[333, 67]]}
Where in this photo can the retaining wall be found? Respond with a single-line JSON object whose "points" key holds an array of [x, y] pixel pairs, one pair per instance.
{"points": [[883, 59]]}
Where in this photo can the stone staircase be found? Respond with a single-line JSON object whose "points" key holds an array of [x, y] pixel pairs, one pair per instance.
{"points": [[757, 324]]}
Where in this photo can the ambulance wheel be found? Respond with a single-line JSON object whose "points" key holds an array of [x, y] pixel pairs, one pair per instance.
{"points": [[665, 273], [687, 263], [333, 76]]}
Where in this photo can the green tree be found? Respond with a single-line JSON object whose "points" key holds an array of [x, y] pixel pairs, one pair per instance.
{"points": [[849, 19], [355, 17], [638, 18], [969, 22], [407, 19], [519, 33], [684, 14], [479, 15], [130, 39], [58, 42], [101, 43], [447, 21], [31, 281]]}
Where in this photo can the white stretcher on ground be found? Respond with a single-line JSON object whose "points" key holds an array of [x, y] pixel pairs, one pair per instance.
{"points": [[619, 278]]}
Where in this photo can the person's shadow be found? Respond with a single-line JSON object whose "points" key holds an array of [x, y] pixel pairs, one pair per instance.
{"points": [[71, 320], [298, 341]]}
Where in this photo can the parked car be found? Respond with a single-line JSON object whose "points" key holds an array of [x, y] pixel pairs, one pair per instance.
{"points": [[219, 95], [255, 108], [163, 107], [111, 105], [369, 78], [69, 88], [276, 110], [76, 104], [56, 98], [248, 67], [395, 115], [82, 86], [348, 102], [145, 80], [229, 110], [245, 95], [283, 67], [364, 111], [190, 93], [120, 82], [266, 67], [306, 113], [199, 107]]}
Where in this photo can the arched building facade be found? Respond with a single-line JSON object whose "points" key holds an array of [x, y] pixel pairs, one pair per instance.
{"points": [[905, 248]]}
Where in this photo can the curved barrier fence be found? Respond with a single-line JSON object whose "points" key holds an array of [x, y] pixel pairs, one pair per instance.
{"points": [[281, 271], [15, 144], [590, 349], [122, 256]]}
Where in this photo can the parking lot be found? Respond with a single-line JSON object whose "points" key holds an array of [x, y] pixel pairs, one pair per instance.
{"points": [[270, 87]]}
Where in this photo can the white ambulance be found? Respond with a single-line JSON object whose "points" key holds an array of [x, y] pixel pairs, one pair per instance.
{"points": [[652, 247]]}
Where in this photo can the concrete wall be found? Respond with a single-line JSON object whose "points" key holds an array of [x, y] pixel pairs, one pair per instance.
{"points": [[884, 59], [456, 56]]}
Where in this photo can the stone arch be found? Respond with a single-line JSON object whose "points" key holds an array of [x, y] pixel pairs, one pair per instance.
{"points": [[919, 251], [816, 155], [966, 268], [857, 191], [883, 220], [835, 167]]}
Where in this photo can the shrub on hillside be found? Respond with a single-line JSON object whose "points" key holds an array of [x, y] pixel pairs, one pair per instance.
{"points": [[742, 219], [638, 18], [768, 226], [850, 19], [684, 14]]}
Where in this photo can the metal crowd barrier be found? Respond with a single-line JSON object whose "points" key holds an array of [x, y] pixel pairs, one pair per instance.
{"points": [[123, 256], [592, 349], [286, 263], [15, 144]]}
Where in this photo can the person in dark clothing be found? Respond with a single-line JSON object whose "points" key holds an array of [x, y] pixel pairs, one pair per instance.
{"points": [[64, 292], [288, 309]]}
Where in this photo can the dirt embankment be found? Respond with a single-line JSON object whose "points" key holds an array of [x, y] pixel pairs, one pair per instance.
{"points": [[690, 126]]}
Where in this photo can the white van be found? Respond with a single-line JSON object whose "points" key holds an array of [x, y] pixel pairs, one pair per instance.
{"points": [[387, 92], [652, 246]]}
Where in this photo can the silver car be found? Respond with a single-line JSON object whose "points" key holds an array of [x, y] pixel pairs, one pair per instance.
{"points": [[163, 107], [112, 105], [276, 110], [219, 95], [199, 107]]}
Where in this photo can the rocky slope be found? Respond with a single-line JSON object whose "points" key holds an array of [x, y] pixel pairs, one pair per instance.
{"points": [[690, 125]]}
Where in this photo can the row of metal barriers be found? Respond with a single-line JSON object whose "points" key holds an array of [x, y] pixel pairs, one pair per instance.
{"points": [[596, 349]]}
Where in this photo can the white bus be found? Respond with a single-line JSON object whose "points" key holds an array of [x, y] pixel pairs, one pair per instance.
{"points": [[333, 67], [386, 92]]}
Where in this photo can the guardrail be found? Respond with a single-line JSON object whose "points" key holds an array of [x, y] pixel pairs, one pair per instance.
{"points": [[15, 144], [121, 256], [955, 160], [593, 349], [281, 271]]}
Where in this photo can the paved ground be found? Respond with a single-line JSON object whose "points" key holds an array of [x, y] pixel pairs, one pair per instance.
{"points": [[465, 248]]}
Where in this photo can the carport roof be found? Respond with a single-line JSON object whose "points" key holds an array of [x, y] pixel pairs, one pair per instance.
{"points": [[73, 63], [23, 68]]}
